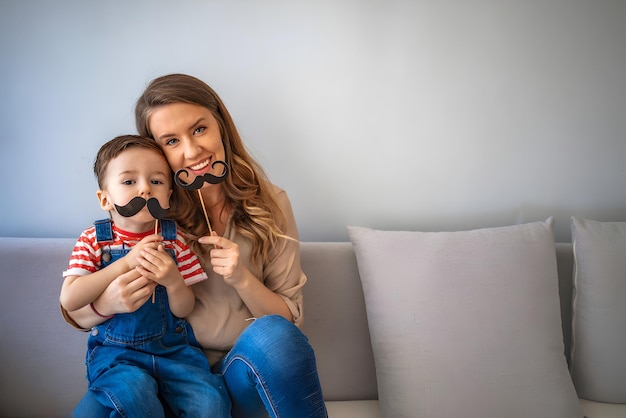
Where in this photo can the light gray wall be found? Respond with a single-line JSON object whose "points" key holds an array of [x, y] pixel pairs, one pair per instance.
{"points": [[417, 114]]}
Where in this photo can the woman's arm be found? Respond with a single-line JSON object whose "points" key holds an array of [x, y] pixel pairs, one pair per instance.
{"points": [[81, 319], [79, 291], [279, 291], [259, 299], [127, 293]]}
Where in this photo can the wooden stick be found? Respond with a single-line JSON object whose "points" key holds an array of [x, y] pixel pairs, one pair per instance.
{"points": [[156, 231], [206, 216]]}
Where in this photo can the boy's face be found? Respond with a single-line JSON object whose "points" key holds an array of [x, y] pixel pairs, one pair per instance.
{"points": [[135, 172]]}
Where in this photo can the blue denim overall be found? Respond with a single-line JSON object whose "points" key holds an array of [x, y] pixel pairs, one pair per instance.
{"points": [[135, 360]]}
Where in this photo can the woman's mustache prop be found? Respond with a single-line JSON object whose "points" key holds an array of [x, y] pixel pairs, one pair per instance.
{"points": [[137, 203], [198, 182]]}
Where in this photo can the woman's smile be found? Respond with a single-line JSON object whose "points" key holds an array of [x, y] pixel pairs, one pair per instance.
{"points": [[201, 167]]}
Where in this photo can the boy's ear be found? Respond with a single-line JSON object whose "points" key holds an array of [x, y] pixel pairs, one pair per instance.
{"points": [[103, 198]]}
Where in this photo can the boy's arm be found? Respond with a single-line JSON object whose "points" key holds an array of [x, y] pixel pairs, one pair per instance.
{"points": [[181, 298]]}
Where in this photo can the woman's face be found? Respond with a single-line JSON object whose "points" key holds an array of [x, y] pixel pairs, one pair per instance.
{"points": [[190, 137]]}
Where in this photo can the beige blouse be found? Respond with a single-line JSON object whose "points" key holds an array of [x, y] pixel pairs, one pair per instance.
{"points": [[220, 315]]}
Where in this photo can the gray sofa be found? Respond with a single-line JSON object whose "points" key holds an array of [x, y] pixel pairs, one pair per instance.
{"points": [[42, 373]]}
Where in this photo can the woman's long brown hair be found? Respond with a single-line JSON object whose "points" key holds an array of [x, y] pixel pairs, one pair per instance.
{"points": [[249, 195]]}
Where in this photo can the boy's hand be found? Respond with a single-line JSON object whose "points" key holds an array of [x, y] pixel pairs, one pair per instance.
{"points": [[151, 241], [158, 265]]}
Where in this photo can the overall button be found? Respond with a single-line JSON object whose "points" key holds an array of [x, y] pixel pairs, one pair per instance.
{"points": [[178, 330], [94, 332]]}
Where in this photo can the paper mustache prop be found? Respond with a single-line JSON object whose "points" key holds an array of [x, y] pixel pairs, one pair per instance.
{"points": [[137, 203], [198, 182]]}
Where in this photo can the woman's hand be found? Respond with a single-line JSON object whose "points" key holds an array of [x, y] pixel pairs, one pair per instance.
{"points": [[127, 293], [259, 299], [224, 258]]}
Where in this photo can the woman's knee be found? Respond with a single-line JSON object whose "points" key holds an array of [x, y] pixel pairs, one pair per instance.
{"points": [[274, 330], [274, 338]]}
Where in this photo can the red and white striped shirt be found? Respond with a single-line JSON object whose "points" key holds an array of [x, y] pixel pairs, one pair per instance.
{"points": [[87, 254]]}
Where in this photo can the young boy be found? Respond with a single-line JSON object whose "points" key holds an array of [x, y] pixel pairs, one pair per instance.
{"points": [[136, 359]]}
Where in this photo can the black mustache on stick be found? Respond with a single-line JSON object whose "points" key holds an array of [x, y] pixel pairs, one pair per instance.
{"points": [[137, 203], [198, 182]]}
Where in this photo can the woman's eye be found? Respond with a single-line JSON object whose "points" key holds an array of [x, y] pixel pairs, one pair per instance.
{"points": [[199, 130], [171, 142]]}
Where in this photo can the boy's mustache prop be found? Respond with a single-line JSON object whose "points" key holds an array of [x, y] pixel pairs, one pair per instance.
{"points": [[198, 182], [137, 203]]}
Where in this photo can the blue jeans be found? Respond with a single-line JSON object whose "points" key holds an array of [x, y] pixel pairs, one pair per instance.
{"points": [[270, 371], [138, 361]]}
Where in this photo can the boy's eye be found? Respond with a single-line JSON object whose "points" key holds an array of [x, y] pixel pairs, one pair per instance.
{"points": [[199, 130], [157, 182], [128, 182]]}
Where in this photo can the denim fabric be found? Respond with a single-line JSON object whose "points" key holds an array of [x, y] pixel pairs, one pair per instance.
{"points": [[138, 360], [271, 371], [104, 231]]}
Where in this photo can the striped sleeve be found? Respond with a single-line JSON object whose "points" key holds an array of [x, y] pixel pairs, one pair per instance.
{"points": [[188, 263], [85, 258]]}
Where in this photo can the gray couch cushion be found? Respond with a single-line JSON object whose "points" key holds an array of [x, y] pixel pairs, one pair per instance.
{"points": [[466, 324], [599, 311], [334, 321], [43, 372]]}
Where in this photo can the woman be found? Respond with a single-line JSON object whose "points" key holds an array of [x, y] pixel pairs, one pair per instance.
{"points": [[247, 312]]}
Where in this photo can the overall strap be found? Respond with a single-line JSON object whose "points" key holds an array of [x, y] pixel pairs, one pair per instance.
{"points": [[104, 230], [168, 229]]}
